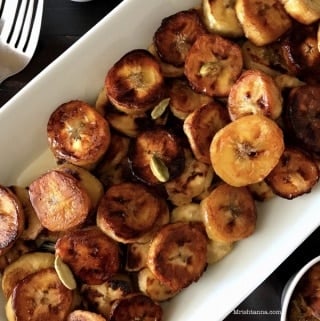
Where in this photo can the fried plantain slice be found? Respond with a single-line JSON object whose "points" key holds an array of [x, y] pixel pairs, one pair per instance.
{"points": [[213, 64], [176, 35], [135, 84], [296, 174]]}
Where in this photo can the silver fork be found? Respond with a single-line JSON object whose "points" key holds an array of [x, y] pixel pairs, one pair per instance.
{"points": [[20, 23]]}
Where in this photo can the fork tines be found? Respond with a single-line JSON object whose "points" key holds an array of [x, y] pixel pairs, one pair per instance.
{"points": [[18, 17]]}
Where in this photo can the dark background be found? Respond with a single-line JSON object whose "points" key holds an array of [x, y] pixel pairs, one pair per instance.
{"points": [[64, 22]]}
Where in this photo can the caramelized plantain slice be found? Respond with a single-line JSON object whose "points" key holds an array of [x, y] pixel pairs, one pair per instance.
{"points": [[176, 35], [135, 83], [296, 174], [160, 144]]}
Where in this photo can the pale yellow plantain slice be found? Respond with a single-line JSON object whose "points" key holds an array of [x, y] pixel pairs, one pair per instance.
{"points": [[82, 315]]}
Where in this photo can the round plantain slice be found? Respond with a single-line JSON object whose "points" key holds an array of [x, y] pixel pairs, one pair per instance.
{"points": [[296, 174], [91, 255], [176, 35], [201, 125], [302, 116], [58, 198], [183, 99], [220, 17], [25, 265], [156, 155], [99, 297], [213, 64], [255, 92], [301, 54], [128, 211], [135, 306], [40, 296], [83, 315], [246, 150], [135, 84], [152, 287], [263, 21], [229, 213], [178, 254], [78, 134], [12, 219]]}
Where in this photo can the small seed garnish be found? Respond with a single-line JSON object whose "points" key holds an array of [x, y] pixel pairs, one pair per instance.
{"points": [[210, 69], [159, 109], [159, 169], [64, 273]]}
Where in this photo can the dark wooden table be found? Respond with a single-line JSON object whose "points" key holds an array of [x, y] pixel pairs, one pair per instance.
{"points": [[64, 22]]}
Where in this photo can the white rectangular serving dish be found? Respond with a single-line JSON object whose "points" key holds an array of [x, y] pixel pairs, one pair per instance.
{"points": [[79, 74]]}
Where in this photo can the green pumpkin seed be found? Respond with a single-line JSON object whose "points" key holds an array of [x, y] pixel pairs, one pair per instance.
{"points": [[64, 273], [159, 109], [159, 169]]}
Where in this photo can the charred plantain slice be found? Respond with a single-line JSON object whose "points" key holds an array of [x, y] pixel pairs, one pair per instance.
{"points": [[156, 143], [302, 116], [91, 255], [60, 201], [40, 296], [135, 83], [178, 254], [136, 306], [301, 54], [183, 99], [78, 134], [229, 213], [128, 211], [213, 64], [176, 35], [296, 174], [12, 219]]}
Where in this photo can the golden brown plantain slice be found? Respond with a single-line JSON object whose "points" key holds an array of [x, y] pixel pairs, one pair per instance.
{"points": [[158, 144], [301, 54], [91, 255], [136, 306], [304, 11], [296, 174], [302, 116], [213, 64], [229, 213], [201, 125], [40, 296], [11, 219], [135, 83], [246, 150], [176, 35], [82, 315], [220, 17], [255, 92], [136, 256], [183, 99], [152, 287], [59, 200], [128, 211], [25, 265], [178, 254], [32, 225], [263, 21], [78, 134], [261, 191], [217, 250], [99, 297]]}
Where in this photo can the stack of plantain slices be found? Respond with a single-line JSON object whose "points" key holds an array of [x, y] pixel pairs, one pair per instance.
{"points": [[161, 177]]}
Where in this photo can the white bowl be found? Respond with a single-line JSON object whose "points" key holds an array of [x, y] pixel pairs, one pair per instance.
{"points": [[291, 286]]}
